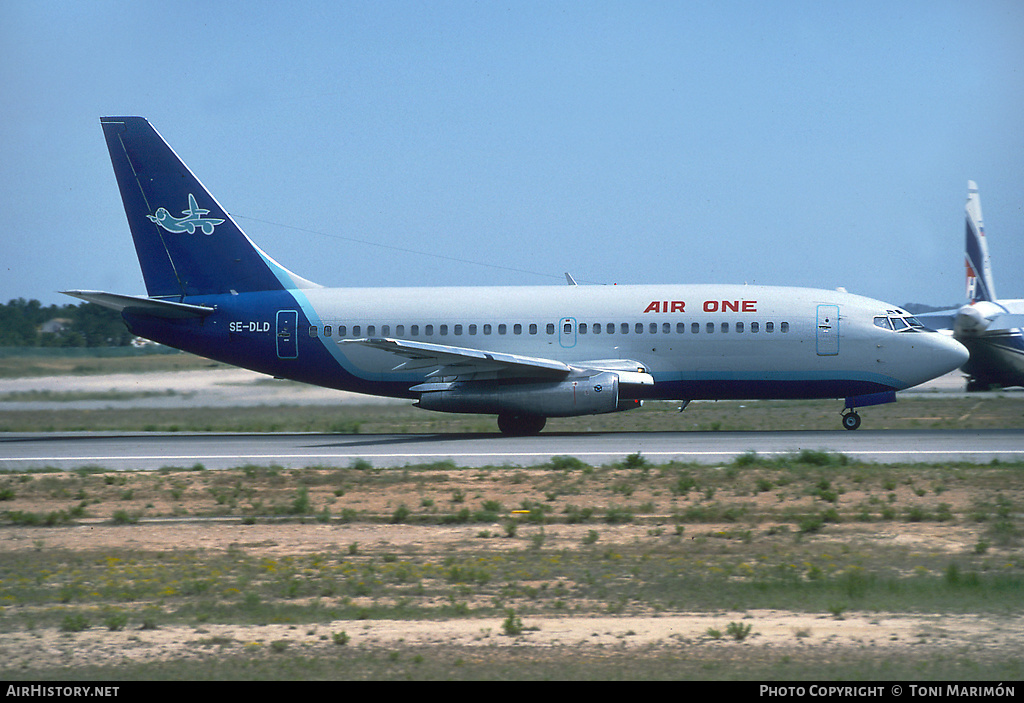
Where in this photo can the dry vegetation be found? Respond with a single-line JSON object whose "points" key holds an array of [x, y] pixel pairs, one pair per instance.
{"points": [[801, 567], [804, 567]]}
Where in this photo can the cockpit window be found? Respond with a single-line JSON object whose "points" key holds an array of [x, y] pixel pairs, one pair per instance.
{"points": [[900, 322]]}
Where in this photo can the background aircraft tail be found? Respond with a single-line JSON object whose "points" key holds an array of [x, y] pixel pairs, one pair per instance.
{"points": [[186, 242], [976, 259]]}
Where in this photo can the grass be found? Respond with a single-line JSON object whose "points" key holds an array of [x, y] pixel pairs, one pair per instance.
{"points": [[20, 363], [733, 416], [782, 547], [434, 663], [735, 542], [808, 532]]}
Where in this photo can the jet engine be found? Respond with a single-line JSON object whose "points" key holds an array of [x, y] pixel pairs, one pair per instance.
{"points": [[975, 318], [585, 395]]}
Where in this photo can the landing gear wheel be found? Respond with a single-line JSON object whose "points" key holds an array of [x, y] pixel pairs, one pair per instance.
{"points": [[851, 420], [521, 425]]}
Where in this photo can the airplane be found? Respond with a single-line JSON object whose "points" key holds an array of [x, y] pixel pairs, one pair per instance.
{"points": [[990, 328], [523, 353], [192, 216]]}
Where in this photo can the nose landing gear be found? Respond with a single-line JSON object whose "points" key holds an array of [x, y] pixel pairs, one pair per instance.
{"points": [[851, 420]]}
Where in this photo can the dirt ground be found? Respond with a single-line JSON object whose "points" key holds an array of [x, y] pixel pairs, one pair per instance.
{"points": [[892, 634], [985, 635]]}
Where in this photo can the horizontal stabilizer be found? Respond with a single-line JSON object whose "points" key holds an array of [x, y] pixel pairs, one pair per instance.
{"points": [[154, 307]]}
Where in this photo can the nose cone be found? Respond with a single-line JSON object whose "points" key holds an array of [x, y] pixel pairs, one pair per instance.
{"points": [[934, 355]]}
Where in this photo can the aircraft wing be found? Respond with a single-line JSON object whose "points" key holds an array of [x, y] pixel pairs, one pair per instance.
{"points": [[942, 320], [975, 318], [471, 364]]}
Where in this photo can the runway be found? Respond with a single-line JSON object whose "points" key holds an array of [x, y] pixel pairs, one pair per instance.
{"points": [[219, 451]]}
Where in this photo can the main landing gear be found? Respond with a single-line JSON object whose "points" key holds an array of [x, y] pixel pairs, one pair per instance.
{"points": [[521, 425], [851, 420]]}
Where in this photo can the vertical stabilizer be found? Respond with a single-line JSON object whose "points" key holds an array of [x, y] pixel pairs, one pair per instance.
{"points": [[976, 259], [187, 244]]}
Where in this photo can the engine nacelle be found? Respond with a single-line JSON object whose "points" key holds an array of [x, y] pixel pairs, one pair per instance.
{"points": [[587, 395], [975, 318]]}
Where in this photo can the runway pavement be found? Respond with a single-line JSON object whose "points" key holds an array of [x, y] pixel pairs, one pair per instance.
{"points": [[216, 451], [234, 387]]}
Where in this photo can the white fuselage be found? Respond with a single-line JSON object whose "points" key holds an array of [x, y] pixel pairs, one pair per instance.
{"points": [[747, 341]]}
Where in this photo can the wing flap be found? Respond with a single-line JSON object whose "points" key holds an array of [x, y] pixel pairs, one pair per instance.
{"points": [[454, 361], [447, 361]]}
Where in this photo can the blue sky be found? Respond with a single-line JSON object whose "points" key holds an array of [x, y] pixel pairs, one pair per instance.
{"points": [[393, 143]]}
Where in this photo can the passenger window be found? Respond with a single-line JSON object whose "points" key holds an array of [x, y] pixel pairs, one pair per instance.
{"points": [[312, 330], [638, 328], [739, 328], [502, 328], [517, 328], [680, 328], [725, 327], [429, 330], [666, 328], [400, 330], [385, 330], [624, 328], [443, 330], [327, 330], [458, 329], [784, 327], [487, 329], [754, 327], [415, 330], [341, 330], [371, 330], [550, 328], [533, 328], [710, 327], [695, 328], [583, 328], [653, 328], [355, 330], [472, 329], [769, 327], [597, 328], [610, 328]]}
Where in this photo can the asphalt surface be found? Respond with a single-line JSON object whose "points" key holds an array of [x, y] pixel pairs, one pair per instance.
{"points": [[235, 387], [220, 451]]}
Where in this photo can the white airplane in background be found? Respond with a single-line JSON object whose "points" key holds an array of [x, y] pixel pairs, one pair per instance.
{"points": [[521, 353], [990, 328]]}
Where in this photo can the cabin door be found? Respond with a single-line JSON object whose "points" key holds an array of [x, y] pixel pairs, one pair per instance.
{"points": [[828, 330], [287, 334]]}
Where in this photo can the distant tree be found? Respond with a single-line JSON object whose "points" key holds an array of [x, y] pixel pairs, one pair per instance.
{"points": [[17, 323], [89, 325]]}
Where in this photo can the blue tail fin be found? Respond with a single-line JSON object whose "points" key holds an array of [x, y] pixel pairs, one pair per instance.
{"points": [[976, 259], [187, 244]]}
